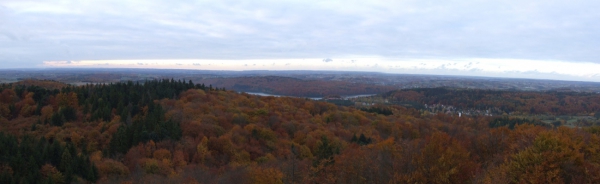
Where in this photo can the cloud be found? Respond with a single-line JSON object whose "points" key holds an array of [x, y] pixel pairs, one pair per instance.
{"points": [[309, 29], [35, 31], [486, 67]]}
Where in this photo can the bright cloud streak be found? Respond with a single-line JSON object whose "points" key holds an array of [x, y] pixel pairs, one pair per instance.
{"points": [[551, 39], [475, 67]]}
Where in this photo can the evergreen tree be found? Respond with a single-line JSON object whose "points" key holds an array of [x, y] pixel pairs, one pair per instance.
{"points": [[362, 140], [354, 138], [65, 161], [325, 151], [66, 165]]}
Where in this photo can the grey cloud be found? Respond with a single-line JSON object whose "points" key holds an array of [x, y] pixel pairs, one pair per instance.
{"points": [[10, 36], [552, 30], [476, 70]]}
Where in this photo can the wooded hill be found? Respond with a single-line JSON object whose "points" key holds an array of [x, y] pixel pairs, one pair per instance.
{"points": [[171, 131], [551, 102], [295, 87]]}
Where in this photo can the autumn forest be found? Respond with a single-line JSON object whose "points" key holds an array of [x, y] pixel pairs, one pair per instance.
{"points": [[176, 131]]}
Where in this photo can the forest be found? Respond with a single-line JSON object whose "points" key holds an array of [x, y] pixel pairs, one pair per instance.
{"points": [[289, 86], [176, 131]]}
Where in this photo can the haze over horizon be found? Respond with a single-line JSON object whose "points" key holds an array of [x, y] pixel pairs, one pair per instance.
{"points": [[541, 39]]}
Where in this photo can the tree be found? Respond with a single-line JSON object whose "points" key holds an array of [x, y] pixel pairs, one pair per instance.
{"points": [[325, 151], [354, 138], [66, 166], [553, 158], [259, 175]]}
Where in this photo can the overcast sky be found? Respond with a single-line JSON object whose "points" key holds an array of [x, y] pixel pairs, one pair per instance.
{"points": [[508, 38]]}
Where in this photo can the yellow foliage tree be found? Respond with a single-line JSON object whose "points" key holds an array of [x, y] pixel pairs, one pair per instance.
{"points": [[265, 176], [50, 172]]}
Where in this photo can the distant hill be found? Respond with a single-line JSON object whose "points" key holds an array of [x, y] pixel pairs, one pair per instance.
{"points": [[551, 102], [287, 82], [295, 87], [48, 84]]}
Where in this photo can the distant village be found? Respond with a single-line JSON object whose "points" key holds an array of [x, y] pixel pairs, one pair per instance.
{"points": [[429, 108]]}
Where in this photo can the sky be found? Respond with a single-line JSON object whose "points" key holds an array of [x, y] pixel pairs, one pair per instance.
{"points": [[545, 39]]}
